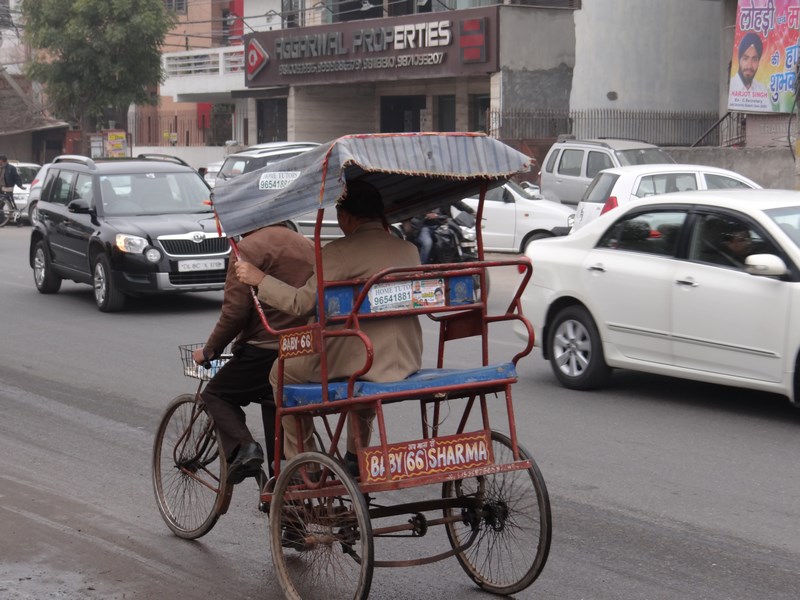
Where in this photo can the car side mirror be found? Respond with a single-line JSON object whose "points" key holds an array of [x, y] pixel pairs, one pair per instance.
{"points": [[507, 196], [80, 206], [765, 264]]}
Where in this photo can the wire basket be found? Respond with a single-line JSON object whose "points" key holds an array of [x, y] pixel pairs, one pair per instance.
{"points": [[195, 371]]}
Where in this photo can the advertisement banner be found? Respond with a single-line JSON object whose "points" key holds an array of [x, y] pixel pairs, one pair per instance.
{"points": [[765, 56]]}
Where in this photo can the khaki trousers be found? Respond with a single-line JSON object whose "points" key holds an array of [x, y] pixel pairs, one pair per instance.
{"points": [[302, 370]]}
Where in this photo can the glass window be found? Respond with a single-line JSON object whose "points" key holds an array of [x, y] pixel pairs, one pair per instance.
{"points": [[83, 189], [789, 220], [600, 188], [665, 183], [721, 182], [652, 233], [727, 241], [551, 162], [570, 163], [61, 186], [177, 6], [644, 156], [596, 162]]}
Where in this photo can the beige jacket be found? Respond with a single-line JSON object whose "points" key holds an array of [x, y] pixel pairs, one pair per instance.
{"points": [[397, 341]]}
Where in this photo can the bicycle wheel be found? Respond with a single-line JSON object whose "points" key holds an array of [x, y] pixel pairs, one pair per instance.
{"points": [[188, 471], [325, 529], [508, 536], [6, 211]]}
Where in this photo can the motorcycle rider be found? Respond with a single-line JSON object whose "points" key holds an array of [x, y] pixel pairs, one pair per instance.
{"points": [[419, 229]]}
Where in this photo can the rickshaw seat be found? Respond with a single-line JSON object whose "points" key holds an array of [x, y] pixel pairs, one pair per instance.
{"points": [[309, 394]]}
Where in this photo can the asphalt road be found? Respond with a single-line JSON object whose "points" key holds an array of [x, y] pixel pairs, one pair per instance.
{"points": [[660, 488]]}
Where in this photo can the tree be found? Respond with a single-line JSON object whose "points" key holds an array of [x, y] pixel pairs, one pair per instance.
{"points": [[96, 55]]}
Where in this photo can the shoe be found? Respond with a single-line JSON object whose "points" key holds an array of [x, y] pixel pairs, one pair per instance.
{"points": [[351, 464], [246, 463]]}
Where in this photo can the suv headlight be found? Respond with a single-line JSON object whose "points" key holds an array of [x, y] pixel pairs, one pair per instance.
{"points": [[131, 243], [134, 244]]}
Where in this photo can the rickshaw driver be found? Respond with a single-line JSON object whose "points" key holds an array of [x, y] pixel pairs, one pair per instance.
{"points": [[289, 256], [366, 248]]}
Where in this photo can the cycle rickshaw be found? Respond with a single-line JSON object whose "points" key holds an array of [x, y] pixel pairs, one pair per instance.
{"points": [[489, 494]]}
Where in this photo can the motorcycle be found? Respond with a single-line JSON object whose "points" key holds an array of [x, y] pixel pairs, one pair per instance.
{"points": [[454, 239]]}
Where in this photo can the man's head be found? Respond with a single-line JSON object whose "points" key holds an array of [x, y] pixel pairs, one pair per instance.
{"points": [[361, 203], [750, 50], [3, 160], [736, 239]]}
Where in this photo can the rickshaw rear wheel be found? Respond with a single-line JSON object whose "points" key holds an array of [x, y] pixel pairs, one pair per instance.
{"points": [[189, 474], [320, 531], [508, 534]]}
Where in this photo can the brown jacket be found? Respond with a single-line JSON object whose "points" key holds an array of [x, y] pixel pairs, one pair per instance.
{"points": [[397, 341], [280, 252]]}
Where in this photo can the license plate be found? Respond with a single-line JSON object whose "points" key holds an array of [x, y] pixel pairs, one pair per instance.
{"points": [[208, 264]]}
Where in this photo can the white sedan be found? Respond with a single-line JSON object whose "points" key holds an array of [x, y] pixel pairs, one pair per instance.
{"points": [[699, 285], [614, 187]]}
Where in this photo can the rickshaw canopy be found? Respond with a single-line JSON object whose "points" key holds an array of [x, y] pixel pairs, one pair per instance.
{"points": [[414, 173]]}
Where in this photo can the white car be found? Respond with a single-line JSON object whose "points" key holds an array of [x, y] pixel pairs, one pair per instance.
{"points": [[512, 219], [699, 285], [252, 160], [614, 187], [211, 172]]}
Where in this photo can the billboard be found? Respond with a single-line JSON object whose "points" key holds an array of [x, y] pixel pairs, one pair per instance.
{"points": [[765, 56]]}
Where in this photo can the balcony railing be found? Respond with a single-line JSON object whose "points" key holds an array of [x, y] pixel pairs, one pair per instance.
{"points": [[209, 61]]}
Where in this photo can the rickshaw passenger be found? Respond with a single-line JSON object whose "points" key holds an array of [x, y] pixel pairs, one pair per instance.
{"points": [[366, 248], [288, 256]]}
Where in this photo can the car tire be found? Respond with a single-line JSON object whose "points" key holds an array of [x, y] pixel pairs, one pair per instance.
{"points": [[33, 212], [536, 236], [576, 350], [46, 280], [107, 297]]}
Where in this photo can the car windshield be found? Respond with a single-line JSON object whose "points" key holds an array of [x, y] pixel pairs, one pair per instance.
{"points": [[27, 174], [518, 188], [643, 156], [154, 194], [788, 218]]}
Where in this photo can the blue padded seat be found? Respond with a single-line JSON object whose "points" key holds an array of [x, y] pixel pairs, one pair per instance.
{"points": [[311, 393]]}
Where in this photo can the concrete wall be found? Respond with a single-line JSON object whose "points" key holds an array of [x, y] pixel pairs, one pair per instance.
{"points": [[769, 167], [537, 56], [654, 54]]}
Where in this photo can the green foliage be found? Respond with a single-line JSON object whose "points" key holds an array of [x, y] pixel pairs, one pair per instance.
{"points": [[95, 54]]}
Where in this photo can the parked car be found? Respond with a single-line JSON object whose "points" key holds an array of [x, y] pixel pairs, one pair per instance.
{"points": [[27, 173], [252, 160], [615, 187], [211, 172], [35, 191], [570, 164], [712, 293], [127, 227], [512, 218]]}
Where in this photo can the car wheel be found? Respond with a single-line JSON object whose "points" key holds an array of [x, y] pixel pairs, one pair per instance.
{"points": [[536, 236], [33, 212], [576, 351], [107, 297], [47, 282]]}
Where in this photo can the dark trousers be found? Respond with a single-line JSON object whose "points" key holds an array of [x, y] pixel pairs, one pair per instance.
{"points": [[243, 379]]}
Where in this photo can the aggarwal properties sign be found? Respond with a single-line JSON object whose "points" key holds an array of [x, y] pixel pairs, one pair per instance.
{"points": [[442, 44]]}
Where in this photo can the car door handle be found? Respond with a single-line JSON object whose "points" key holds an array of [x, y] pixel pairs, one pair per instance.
{"points": [[598, 267], [687, 282]]}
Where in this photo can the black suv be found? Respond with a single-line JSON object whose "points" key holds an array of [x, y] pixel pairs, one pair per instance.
{"points": [[128, 227]]}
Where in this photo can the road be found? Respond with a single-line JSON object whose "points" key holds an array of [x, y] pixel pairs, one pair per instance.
{"points": [[660, 488]]}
